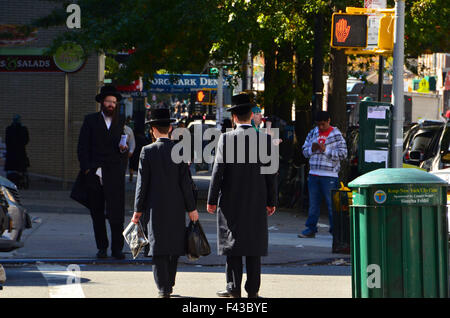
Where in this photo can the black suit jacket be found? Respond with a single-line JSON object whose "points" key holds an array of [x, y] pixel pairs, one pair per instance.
{"points": [[98, 147], [242, 193], [164, 192]]}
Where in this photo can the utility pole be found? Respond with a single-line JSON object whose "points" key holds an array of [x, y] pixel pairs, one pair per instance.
{"points": [[397, 85], [219, 102], [380, 77]]}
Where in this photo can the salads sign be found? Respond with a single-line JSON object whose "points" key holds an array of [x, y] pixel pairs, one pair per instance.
{"points": [[68, 58], [27, 63]]}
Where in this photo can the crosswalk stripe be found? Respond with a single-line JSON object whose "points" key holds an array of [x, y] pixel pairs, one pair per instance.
{"points": [[63, 282]]}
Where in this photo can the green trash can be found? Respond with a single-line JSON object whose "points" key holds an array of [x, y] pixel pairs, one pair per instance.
{"points": [[399, 238]]}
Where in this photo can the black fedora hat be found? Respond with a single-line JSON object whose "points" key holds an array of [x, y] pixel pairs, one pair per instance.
{"points": [[241, 104], [160, 116], [108, 90]]}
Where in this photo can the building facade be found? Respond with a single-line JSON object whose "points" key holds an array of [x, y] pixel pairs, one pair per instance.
{"points": [[44, 96]]}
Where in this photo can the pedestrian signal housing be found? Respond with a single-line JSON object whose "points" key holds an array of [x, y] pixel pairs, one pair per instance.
{"points": [[349, 30], [203, 96]]}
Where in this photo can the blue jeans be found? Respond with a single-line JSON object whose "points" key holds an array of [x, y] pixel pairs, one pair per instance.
{"points": [[317, 187]]}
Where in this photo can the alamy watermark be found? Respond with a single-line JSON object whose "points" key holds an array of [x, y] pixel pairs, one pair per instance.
{"points": [[74, 274], [374, 279], [73, 21], [243, 146]]}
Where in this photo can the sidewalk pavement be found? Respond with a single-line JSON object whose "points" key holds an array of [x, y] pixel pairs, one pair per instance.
{"points": [[62, 229]]}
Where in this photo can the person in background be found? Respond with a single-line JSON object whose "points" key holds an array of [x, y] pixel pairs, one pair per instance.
{"points": [[102, 155], [257, 117], [16, 138], [227, 124], [140, 142], [131, 143], [325, 147]]}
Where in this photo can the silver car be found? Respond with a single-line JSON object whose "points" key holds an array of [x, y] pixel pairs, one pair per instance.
{"points": [[13, 217]]}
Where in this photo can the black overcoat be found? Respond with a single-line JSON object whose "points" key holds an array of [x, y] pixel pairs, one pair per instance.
{"points": [[241, 194], [16, 138], [98, 147], [164, 192]]}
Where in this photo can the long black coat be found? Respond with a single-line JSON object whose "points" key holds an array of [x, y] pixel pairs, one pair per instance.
{"points": [[164, 192], [98, 147], [242, 194], [16, 138]]}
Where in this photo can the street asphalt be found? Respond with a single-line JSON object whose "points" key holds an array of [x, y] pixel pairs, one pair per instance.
{"points": [[62, 235]]}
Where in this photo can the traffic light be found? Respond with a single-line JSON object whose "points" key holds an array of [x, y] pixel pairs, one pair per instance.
{"points": [[204, 96], [349, 30]]}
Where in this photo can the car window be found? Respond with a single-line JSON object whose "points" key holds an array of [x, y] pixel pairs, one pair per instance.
{"points": [[408, 136], [445, 143], [422, 141]]}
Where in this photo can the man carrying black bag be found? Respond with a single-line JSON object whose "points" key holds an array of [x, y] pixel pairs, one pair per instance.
{"points": [[244, 197], [164, 192]]}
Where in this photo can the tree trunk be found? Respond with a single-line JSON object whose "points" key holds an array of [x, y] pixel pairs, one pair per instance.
{"points": [[303, 115], [285, 84], [317, 67], [337, 106], [269, 82]]}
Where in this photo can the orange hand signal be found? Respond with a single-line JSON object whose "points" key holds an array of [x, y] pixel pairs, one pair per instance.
{"points": [[342, 30]]}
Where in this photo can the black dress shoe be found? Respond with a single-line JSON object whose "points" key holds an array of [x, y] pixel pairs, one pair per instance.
{"points": [[164, 295], [228, 294], [118, 255], [254, 296], [102, 253]]}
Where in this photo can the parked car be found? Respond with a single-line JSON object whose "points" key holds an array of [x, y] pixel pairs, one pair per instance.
{"points": [[445, 175], [441, 158], [13, 217], [420, 142]]}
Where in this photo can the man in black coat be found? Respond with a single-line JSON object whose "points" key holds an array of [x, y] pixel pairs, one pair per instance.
{"points": [[244, 196], [164, 193], [16, 138], [102, 163]]}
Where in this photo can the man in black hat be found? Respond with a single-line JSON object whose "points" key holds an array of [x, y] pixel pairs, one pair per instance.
{"points": [[164, 193], [245, 197], [102, 158]]}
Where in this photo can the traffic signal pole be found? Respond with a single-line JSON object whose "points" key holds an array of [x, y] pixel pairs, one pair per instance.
{"points": [[398, 86], [219, 102]]}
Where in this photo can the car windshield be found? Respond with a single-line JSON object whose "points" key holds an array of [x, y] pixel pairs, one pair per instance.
{"points": [[422, 141]]}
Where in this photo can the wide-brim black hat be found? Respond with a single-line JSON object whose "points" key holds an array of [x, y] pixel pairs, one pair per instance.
{"points": [[241, 104], [108, 90], [160, 116]]}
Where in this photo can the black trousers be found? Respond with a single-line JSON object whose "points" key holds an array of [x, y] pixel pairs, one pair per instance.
{"points": [[234, 270], [96, 198], [164, 271]]}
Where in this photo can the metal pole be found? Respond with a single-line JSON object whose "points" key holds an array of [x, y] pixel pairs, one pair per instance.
{"points": [[66, 131], [219, 103], [397, 85], [380, 77]]}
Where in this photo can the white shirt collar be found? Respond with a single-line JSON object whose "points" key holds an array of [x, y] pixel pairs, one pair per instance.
{"points": [[107, 119]]}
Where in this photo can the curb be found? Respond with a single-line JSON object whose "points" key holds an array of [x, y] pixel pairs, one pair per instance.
{"points": [[95, 261]]}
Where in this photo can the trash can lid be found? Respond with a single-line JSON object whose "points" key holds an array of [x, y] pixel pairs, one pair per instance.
{"points": [[396, 176]]}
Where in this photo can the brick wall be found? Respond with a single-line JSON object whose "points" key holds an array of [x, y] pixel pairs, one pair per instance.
{"points": [[39, 97]]}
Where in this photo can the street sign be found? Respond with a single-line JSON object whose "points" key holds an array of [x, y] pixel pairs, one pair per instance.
{"points": [[349, 30], [374, 22]]}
